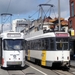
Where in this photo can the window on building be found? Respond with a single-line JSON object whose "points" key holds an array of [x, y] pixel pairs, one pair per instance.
{"points": [[70, 24], [72, 9]]}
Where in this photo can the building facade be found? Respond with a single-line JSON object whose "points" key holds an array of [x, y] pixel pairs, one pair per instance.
{"points": [[71, 22], [19, 24], [72, 17]]}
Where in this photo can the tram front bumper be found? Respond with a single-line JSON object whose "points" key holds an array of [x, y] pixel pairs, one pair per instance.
{"points": [[14, 63]]}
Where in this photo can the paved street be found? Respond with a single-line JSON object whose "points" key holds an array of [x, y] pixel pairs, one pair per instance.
{"points": [[72, 63], [33, 69]]}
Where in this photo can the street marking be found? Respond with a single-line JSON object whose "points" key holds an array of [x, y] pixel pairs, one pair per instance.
{"points": [[73, 72], [38, 70]]}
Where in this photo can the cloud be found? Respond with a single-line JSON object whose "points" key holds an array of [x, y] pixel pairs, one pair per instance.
{"points": [[26, 6], [29, 7], [64, 7], [18, 6]]}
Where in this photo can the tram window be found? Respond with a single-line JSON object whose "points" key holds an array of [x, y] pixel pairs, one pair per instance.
{"points": [[36, 44], [47, 43], [52, 45], [62, 44], [10, 44], [62, 39], [59, 46], [44, 44], [28, 44], [65, 46], [39, 44], [32, 46]]}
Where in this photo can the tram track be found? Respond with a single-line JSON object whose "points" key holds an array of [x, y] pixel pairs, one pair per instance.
{"points": [[24, 72], [30, 71], [63, 72], [19, 72], [59, 72]]}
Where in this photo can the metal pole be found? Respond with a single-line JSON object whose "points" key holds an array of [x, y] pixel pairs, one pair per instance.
{"points": [[41, 16], [2, 28], [1, 24], [59, 14], [11, 22]]}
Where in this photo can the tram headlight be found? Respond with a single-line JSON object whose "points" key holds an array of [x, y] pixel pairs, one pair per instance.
{"points": [[68, 57], [18, 58], [9, 58], [57, 58]]}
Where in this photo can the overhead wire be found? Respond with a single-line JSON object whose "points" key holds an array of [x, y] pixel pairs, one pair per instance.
{"points": [[48, 1], [5, 15], [53, 8], [54, 12], [33, 14], [7, 10], [8, 5], [38, 10]]}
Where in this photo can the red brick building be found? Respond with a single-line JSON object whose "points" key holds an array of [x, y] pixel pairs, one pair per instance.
{"points": [[71, 22], [72, 15]]}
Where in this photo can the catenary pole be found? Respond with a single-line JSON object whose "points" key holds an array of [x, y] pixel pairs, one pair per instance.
{"points": [[59, 14]]}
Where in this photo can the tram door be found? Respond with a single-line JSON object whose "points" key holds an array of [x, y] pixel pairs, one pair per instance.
{"points": [[0, 50]]}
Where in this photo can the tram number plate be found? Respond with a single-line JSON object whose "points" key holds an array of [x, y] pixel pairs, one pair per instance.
{"points": [[15, 63]]}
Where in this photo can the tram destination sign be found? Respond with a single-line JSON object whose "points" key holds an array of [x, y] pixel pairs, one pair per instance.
{"points": [[61, 34], [13, 35]]}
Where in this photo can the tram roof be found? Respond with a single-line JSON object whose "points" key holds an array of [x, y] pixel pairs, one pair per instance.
{"points": [[41, 36], [46, 35]]}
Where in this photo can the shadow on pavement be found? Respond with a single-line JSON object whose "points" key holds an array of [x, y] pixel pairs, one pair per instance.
{"points": [[15, 67]]}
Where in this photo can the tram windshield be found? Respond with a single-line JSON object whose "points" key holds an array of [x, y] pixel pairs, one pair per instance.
{"points": [[13, 44], [62, 43]]}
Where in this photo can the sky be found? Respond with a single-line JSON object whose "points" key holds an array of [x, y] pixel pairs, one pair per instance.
{"points": [[27, 8]]}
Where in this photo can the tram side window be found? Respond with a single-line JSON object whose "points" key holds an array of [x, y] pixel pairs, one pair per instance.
{"points": [[28, 45], [42, 43], [52, 45], [32, 46], [39, 44], [45, 44]]}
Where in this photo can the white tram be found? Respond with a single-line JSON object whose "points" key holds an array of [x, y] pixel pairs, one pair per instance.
{"points": [[13, 51], [49, 49]]}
